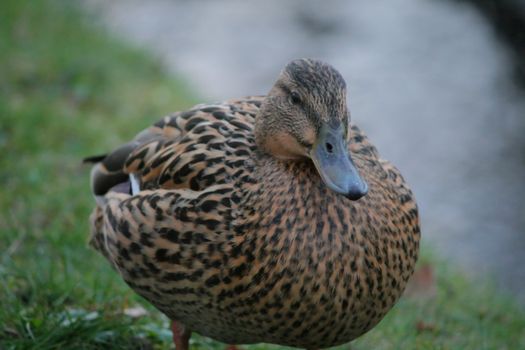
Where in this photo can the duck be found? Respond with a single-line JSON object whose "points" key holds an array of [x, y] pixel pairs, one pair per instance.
{"points": [[266, 219]]}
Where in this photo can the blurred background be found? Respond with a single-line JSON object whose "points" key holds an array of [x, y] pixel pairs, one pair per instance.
{"points": [[437, 85]]}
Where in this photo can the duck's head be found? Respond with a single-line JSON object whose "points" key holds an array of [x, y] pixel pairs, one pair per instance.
{"points": [[305, 116]]}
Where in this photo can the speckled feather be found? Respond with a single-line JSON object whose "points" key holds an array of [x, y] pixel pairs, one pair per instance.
{"points": [[242, 247]]}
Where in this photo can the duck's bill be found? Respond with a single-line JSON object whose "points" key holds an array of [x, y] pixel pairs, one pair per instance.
{"points": [[332, 160]]}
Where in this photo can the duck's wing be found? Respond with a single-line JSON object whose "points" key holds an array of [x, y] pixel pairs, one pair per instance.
{"points": [[190, 169], [188, 149]]}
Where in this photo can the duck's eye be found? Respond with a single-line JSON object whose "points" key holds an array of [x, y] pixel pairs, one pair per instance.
{"points": [[295, 98]]}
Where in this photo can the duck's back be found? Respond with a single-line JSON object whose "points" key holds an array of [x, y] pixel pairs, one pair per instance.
{"points": [[245, 248], [195, 149]]}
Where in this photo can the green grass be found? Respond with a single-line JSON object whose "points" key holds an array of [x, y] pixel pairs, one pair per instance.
{"points": [[67, 90]]}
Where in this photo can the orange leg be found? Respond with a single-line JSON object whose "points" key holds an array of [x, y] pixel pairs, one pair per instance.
{"points": [[181, 336]]}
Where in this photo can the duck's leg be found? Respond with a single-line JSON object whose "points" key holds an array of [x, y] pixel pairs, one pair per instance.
{"points": [[181, 335]]}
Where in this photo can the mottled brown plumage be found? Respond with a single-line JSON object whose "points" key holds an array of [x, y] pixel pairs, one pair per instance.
{"points": [[233, 233]]}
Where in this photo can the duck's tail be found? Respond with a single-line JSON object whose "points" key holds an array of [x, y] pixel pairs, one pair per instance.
{"points": [[108, 172]]}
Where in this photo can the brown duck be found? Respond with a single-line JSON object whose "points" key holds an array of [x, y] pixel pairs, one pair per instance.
{"points": [[261, 219]]}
